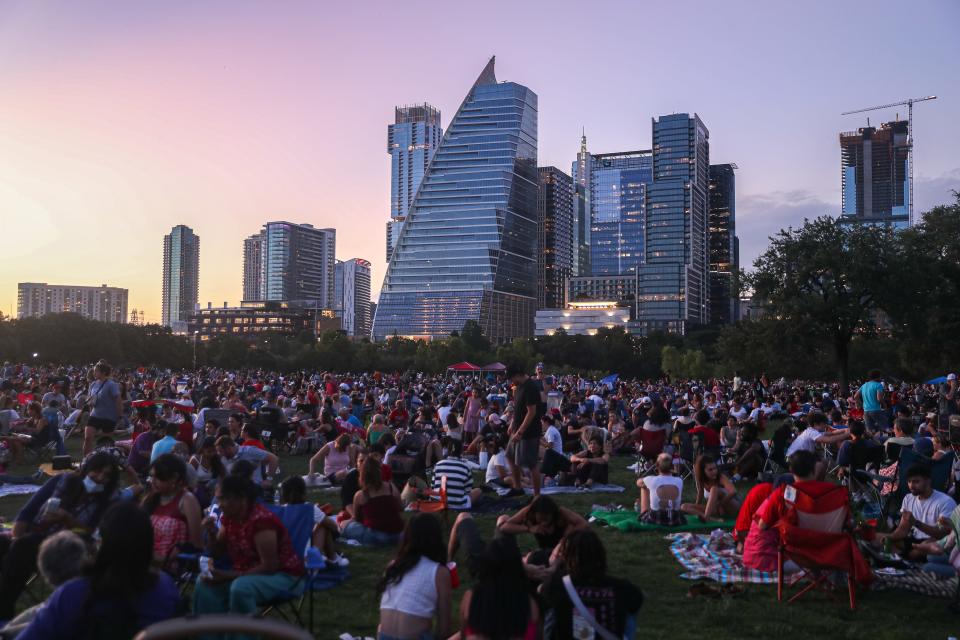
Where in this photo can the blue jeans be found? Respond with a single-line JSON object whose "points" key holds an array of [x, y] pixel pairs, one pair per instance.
{"points": [[366, 536], [939, 565], [244, 594], [875, 420]]}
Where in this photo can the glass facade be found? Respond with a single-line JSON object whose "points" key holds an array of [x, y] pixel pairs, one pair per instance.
{"points": [[875, 170], [674, 289], [724, 258], [467, 248], [181, 267], [617, 201], [555, 236], [411, 143], [352, 296], [296, 263]]}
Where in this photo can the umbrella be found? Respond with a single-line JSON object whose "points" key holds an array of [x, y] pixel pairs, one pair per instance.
{"points": [[610, 380]]}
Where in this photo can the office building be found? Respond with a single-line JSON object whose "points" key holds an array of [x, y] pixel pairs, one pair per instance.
{"points": [[581, 210], [674, 287], [37, 299], [181, 277], [875, 174], [555, 236], [620, 289], [287, 261], [467, 248], [253, 268], [724, 246], [252, 320], [582, 318], [411, 141], [352, 296]]}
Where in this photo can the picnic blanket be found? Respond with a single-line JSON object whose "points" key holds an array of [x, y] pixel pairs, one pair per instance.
{"points": [[597, 488], [712, 557], [917, 581], [627, 521], [18, 489]]}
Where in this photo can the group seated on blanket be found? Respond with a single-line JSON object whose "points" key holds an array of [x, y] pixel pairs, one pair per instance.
{"points": [[716, 496], [660, 495]]}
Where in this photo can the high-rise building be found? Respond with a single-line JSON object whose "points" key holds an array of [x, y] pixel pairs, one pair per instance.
{"points": [[411, 141], [37, 299], [674, 279], [875, 175], [467, 248], [352, 297], [724, 247], [296, 263], [581, 210], [181, 277], [555, 236], [253, 267], [617, 195]]}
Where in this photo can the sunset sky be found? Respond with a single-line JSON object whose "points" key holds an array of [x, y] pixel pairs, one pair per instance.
{"points": [[121, 119]]}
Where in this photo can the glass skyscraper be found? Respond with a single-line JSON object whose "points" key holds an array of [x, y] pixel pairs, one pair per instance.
{"points": [[581, 210], [411, 142], [181, 272], [875, 175], [291, 262], [674, 280], [724, 247], [467, 248], [352, 297], [617, 184], [555, 237]]}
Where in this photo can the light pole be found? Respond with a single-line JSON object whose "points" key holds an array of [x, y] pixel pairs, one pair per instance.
{"points": [[195, 334]]}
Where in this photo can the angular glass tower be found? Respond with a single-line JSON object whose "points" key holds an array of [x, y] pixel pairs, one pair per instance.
{"points": [[467, 250], [181, 267]]}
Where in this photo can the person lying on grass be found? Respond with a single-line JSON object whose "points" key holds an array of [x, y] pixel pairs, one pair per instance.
{"points": [[716, 496]]}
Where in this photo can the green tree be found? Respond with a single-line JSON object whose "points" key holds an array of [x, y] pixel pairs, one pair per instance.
{"points": [[826, 279]]}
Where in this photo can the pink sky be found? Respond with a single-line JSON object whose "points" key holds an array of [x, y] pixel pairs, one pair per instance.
{"points": [[121, 119]]}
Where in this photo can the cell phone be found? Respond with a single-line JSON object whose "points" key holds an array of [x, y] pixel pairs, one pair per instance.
{"points": [[205, 567]]}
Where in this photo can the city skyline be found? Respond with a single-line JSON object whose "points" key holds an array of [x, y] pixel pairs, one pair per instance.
{"points": [[218, 117]]}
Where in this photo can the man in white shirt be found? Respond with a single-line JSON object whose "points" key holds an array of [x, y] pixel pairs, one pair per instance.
{"points": [[920, 515], [553, 459], [738, 411], [816, 434]]}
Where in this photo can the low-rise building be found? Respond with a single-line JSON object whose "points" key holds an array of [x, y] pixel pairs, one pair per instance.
{"points": [[255, 318], [582, 318]]}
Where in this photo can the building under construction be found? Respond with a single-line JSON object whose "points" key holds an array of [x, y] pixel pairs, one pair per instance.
{"points": [[875, 169]]}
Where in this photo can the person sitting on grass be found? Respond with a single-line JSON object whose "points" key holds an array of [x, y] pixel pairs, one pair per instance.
{"points": [[716, 497], [415, 587], [499, 605], [581, 575], [749, 452], [818, 432], [460, 492], [859, 451], [174, 511], [119, 595], [548, 522], [293, 490], [376, 509], [337, 457], [591, 466], [498, 474], [660, 495], [920, 516]]}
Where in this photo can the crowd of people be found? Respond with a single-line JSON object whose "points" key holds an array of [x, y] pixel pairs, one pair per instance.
{"points": [[190, 461]]}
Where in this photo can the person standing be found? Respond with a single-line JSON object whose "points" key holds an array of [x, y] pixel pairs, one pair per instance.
{"points": [[870, 397], [106, 403], [523, 452]]}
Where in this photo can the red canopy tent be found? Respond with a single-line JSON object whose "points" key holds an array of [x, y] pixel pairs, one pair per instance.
{"points": [[464, 367], [496, 367]]}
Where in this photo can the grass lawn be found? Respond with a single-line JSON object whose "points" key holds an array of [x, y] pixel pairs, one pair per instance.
{"points": [[645, 559]]}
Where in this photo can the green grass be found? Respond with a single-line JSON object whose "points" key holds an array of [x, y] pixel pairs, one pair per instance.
{"points": [[645, 559]]}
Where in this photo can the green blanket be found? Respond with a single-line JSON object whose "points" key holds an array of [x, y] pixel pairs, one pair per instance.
{"points": [[628, 521]]}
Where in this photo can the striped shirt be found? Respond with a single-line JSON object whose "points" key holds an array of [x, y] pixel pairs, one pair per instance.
{"points": [[459, 481]]}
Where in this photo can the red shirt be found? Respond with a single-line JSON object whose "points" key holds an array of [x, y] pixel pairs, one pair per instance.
{"points": [[242, 548], [775, 507], [253, 443], [710, 437]]}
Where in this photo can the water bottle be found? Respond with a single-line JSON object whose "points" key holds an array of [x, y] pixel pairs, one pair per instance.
{"points": [[484, 459]]}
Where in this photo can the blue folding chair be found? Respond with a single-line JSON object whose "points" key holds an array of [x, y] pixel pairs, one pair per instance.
{"points": [[298, 520]]}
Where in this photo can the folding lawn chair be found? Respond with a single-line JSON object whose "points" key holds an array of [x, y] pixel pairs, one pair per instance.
{"points": [[812, 535], [434, 506], [298, 519], [650, 446]]}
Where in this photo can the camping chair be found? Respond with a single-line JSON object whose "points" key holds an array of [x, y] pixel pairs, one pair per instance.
{"points": [[940, 471], [812, 535], [298, 519], [776, 447], [433, 506], [649, 447]]}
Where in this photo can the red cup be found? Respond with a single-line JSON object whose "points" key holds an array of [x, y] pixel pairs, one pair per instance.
{"points": [[454, 578]]}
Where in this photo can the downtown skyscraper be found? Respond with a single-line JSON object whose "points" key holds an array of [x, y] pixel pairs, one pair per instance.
{"points": [[724, 245], [555, 237], [411, 142], [467, 247], [181, 277], [290, 262], [352, 296], [875, 172]]}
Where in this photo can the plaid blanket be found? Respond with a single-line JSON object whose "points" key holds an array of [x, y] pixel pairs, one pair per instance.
{"points": [[712, 556], [919, 582]]}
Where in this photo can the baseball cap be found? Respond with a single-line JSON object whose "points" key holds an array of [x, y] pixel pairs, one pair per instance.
{"points": [[952, 376], [826, 395]]}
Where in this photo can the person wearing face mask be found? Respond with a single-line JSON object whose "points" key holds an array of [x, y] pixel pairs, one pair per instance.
{"points": [[71, 501]]}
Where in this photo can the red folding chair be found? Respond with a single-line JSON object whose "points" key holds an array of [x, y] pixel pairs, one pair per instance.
{"points": [[650, 446], [813, 535], [433, 506]]}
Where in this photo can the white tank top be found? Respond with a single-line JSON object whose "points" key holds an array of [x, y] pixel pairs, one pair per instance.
{"points": [[416, 593]]}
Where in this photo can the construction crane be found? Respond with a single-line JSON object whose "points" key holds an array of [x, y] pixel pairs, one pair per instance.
{"points": [[909, 102]]}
